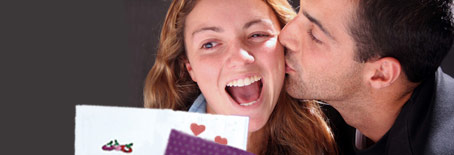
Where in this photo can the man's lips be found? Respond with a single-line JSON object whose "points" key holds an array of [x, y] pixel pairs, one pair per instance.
{"points": [[288, 69]]}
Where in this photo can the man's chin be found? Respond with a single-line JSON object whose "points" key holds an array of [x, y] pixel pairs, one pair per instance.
{"points": [[293, 91], [298, 92]]}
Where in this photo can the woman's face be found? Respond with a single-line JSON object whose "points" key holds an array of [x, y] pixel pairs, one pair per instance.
{"points": [[235, 58]]}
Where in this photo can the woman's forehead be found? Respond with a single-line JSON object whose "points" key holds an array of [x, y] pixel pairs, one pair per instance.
{"points": [[209, 13]]}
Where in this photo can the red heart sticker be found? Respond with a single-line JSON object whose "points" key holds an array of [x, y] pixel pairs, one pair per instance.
{"points": [[197, 129], [220, 140]]}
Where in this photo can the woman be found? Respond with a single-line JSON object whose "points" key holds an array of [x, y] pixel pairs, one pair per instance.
{"points": [[229, 52]]}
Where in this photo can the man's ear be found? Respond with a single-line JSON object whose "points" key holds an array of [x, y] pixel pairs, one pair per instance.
{"points": [[383, 72], [189, 69]]}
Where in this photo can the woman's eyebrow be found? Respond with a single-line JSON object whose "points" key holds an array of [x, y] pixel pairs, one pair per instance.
{"points": [[211, 28], [266, 22]]}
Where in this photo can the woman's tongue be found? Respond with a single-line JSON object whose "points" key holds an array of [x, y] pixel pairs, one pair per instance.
{"points": [[245, 94]]}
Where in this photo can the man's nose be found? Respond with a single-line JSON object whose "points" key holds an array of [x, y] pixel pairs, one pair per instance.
{"points": [[239, 57], [288, 36]]}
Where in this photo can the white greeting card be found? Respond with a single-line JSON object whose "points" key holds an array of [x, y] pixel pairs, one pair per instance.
{"points": [[122, 130]]}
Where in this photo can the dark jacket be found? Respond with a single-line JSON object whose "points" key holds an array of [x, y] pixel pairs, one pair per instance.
{"points": [[425, 124]]}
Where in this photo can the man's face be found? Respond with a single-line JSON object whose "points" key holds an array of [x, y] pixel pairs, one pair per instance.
{"points": [[320, 52]]}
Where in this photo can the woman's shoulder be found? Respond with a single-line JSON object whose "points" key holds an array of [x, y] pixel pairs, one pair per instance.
{"points": [[199, 105]]}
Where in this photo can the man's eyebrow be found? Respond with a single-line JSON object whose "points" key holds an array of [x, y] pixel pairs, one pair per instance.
{"points": [[211, 28], [257, 21], [316, 22]]}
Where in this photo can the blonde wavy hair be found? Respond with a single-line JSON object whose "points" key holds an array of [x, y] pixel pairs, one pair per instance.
{"points": [[293, 127]]}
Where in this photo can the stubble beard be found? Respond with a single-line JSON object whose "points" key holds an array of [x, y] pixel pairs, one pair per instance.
{"points": [[327, 89], [299, 89]]}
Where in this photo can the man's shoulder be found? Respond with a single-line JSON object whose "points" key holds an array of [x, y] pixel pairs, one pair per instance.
{"points": [[444, 92], [442, 124], [444, 87]]}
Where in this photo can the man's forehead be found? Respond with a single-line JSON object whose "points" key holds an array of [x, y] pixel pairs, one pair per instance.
{"points": [[329, 8], [334, 15]]}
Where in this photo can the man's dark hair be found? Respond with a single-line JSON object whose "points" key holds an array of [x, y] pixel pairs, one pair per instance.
{"points": [[418, 33]]}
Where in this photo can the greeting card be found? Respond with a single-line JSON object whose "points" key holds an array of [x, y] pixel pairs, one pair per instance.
{"points": [[122, 130]]}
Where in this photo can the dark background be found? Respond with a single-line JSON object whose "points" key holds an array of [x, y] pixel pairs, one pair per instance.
{"points": [[55, 54]]}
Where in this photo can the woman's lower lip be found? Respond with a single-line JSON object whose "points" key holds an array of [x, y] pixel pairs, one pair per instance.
{"points": [[250, 105], [247, 105]]}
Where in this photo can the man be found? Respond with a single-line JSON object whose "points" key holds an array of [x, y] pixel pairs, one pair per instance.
{"points": [[375, 62]]}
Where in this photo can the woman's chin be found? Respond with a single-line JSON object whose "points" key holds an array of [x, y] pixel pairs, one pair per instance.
{"points": [[255, 125]]}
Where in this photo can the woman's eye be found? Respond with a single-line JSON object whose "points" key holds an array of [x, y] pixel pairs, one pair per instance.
{"points": [[258, 35], [209, 45]]}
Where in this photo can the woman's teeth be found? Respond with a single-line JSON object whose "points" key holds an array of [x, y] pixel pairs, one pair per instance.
{"points": [[244, 82], [248, 104]]}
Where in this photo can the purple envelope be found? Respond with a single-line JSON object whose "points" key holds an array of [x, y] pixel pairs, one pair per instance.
{"points": [[181, 143]]}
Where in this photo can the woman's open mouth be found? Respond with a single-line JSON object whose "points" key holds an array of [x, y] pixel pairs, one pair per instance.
{"points": [[245, 91]]}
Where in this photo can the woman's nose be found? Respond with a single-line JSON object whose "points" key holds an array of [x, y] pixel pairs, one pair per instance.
{"points": [[239, 57]]}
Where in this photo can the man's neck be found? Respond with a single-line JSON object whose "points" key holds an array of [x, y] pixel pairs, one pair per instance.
{"points": [[373, 116]]}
